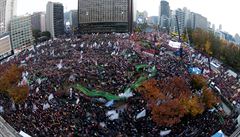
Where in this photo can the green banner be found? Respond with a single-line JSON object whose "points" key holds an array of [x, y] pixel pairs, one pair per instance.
{"points": [[109, 96], [95, 93], [141, 66]]}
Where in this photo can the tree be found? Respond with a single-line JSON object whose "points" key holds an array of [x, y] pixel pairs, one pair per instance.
{"points": [[18, 94], [46, 34], [209, 98], [151, 91], [36, 33], [169, 113], [10, 77], [208, 48], [164, 99], [9, 84], [198, 82], [193, 105]]}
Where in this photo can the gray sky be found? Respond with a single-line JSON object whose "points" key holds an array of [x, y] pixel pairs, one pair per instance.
{"points": [[223, 12]]}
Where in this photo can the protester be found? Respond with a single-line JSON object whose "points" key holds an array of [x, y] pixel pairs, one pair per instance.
{"points": [[104, 62]]}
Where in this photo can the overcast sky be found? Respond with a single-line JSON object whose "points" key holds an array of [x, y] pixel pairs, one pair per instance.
{"points": [[225, 12]]}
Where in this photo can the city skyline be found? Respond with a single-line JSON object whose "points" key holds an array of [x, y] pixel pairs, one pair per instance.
{"points": [[213, 10]]}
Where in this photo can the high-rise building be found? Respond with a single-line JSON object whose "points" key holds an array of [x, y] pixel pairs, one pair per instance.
{"points": [[134, 10], [180, 15], [7, 11], [213, 27], [188, 18], [153, 20], [164, 15], [73, 18], [55, 19], [200, 22], [38, 21], [105, 16], [237, 38], [220, 27], [21, 32], [164, 8], [5, 46]]}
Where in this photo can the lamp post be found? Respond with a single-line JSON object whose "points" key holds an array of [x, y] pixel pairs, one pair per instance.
{"points": [[179, 37]]}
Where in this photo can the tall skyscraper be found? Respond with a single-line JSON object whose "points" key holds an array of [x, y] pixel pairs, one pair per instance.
{"points": [[164, 9], [55, 19], [105, 15], [164, 16], [38, 21], [7, 11], [21, 32]]}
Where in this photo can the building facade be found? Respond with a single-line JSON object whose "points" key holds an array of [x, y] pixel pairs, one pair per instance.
{"points": [[38, 21], [55, 19], [21, 32], [7, 11], [164, 15], [180, 16], [153, 20], [200, 22], [5, 46], [105, 16], [73, 18]]}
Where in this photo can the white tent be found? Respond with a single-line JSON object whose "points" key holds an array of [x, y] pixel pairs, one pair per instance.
{"points": [[219, 134], [231, 73]]}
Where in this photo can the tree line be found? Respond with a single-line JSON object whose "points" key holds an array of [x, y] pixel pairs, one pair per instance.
{"points": [[208, 43]]}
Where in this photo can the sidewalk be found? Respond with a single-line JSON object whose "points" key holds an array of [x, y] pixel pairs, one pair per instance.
{"points": [[6, 130]]}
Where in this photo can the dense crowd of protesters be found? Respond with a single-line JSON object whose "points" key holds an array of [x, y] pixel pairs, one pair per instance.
{"points": [[104, 62]]}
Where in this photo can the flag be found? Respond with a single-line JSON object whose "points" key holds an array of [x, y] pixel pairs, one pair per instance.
{"points": [[141, 114], [164, 133], [1, 109], [112, 114], [46, 106], [109, 103], [50, 97]]}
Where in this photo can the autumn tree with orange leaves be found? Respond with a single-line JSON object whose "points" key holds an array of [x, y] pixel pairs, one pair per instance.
{"points": [[168, 113], [9, 79], [193, 105], [209, 98], [164, 99], [172, 99], [198, 82]]}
